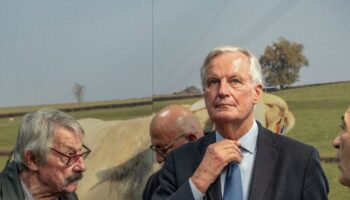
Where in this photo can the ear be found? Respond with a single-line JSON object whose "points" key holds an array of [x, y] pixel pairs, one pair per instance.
{"points": [[258, 91], [30, 160], [191, 137]]}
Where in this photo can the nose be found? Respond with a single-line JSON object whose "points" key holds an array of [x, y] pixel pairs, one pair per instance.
{"points": [[159, 158], [223, 88], [336, 142], [80, 166]]}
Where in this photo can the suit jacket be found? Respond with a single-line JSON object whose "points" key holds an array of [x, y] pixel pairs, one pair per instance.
{"points": [[284, 169], [11, 188], [151, 186]]}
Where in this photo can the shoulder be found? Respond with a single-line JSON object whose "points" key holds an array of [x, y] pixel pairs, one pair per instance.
{"points": [[10, 173], [283, 142], [10, 185], [290, 144], [151, 186], [287, 148], [153, 182]]}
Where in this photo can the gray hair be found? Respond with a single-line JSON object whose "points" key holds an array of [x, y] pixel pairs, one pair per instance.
{"points": [[255, 68], [37, 130]]}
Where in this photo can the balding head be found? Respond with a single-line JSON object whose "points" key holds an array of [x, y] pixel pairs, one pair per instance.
{"points": [[174, 125]]}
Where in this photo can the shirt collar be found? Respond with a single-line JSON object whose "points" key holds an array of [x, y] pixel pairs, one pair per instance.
{"points": [[27, 194], [248, 140]]}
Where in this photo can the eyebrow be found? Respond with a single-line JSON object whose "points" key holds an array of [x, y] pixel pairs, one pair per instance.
{"points": [[70, 148], [214, 76]]}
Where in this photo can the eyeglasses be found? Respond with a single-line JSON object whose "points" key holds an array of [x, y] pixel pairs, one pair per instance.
{"points": [[71, 160], [163, 151]]}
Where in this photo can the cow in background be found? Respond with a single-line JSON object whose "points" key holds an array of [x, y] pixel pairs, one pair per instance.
{"points": [[272, 112], [120, 162]]}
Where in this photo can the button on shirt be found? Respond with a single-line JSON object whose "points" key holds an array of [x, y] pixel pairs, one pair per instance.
{"points": [[248, 149]]}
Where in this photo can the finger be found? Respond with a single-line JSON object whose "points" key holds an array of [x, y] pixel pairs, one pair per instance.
{"points": [[231, 145]]}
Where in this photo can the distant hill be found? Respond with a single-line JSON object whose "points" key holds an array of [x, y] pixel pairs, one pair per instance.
{"points": [[189, 90]]}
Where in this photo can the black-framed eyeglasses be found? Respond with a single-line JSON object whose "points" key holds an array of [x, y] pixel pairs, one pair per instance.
{"points": [[71, 160], [163, 151]]}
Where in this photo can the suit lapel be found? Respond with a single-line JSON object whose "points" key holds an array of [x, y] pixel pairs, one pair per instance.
{"points": [[265, 161], [214, 191]]}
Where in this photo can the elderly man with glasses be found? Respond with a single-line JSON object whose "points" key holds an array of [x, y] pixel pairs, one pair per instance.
{"points": [[170, 128], [48, 159]]}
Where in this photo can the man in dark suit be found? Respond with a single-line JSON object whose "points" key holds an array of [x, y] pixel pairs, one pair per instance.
{"points": [[170, 128], [270, 166]]}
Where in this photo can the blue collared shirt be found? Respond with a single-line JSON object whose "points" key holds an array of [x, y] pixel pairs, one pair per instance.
{"points": [[248, 147]]}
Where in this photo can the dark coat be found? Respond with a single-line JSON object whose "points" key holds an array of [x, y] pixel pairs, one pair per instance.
{"points": [[11, 188], [284, 169], [151, 186]]}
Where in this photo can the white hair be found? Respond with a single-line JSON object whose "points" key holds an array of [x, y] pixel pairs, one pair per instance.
{"points": [[37, 130], [255, 68]]}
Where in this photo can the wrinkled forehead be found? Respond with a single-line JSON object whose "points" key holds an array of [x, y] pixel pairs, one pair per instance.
{"points": [[67, 137], [240, 61], [233, 61], [237, 57]]}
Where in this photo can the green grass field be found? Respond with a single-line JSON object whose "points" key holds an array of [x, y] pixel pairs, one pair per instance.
{"points": [[317, 111]]}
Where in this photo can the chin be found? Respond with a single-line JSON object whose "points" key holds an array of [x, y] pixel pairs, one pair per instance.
{"points": [[71, 187], [223, 118], [343, 179], [225, 114], [345, 183]]}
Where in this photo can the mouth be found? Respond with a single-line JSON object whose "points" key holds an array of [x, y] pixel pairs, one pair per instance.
{"points": [[73, 179], [224, 105], [74, 184]]}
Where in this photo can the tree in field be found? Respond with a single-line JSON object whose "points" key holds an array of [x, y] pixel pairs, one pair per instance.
{"points": [[282, 61], [78, 92]]}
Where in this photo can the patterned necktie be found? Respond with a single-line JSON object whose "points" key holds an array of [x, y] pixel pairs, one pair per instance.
{"points": [[233, 183]]}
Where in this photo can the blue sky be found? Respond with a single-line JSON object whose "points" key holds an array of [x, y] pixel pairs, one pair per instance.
{"points": [[127, 48]]}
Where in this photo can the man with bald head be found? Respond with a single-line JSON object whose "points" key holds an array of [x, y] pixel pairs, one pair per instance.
{"points": [[170, 128]]}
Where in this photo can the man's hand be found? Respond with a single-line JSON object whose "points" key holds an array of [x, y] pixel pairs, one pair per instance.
{"points": [[217, 156]]}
